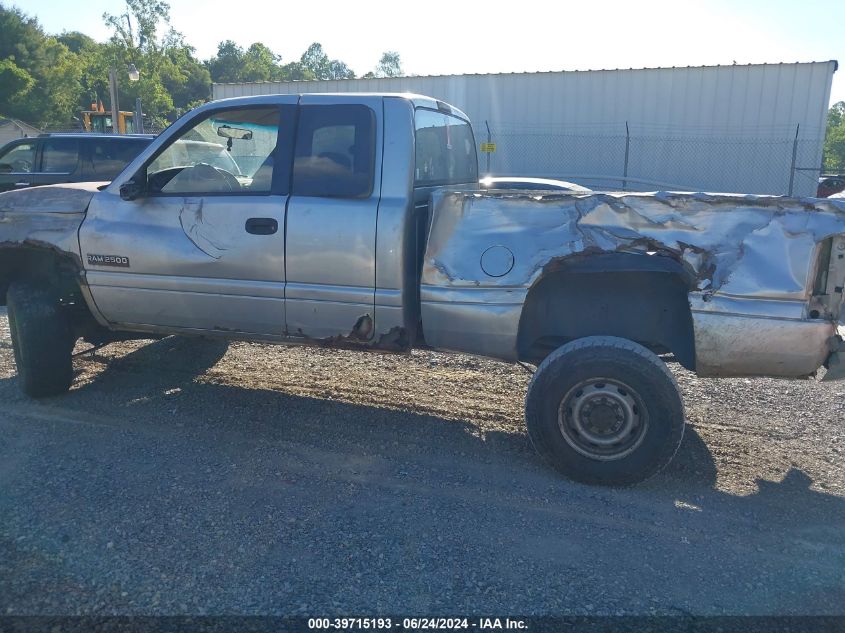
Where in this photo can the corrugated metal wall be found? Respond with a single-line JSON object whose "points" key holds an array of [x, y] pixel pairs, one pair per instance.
{"points": [[716, 128]]}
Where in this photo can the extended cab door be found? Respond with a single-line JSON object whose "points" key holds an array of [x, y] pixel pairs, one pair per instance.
{"points": [[331, 219], [201, 247]]}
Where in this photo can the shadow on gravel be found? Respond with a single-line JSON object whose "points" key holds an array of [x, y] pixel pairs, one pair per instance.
{"points": [[693, 464], [172, 365], [447, 517], [169, 362]]}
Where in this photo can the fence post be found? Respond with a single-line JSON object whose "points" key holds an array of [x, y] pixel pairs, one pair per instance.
{"points": [[489, 140], [794, 155], [627, 148]]}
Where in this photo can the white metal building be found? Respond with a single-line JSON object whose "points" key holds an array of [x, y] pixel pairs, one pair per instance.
{"points": [[755, 128], [11, 129]]}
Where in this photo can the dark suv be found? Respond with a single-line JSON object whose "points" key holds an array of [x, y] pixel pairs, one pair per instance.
{"points": [[55, 158]]}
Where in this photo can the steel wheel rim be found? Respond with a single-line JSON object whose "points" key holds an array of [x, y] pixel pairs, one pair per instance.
{"points": [[603, 419]]}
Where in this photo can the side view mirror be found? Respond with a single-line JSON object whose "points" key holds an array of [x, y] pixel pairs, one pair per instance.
{"points": [[131, 189]]}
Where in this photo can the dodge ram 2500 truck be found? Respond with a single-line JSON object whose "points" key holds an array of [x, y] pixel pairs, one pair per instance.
{"points": [[356, 221]]}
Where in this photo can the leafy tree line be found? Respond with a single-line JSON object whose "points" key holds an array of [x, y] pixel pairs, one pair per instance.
{"points": [[47, 79], [834, 144]]}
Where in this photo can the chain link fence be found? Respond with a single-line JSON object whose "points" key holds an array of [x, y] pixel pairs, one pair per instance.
{"points": [[645, 160], [76, 128]]}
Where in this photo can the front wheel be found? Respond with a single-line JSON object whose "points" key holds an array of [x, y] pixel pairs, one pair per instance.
{"points": [[605, 410], [41, 339]]}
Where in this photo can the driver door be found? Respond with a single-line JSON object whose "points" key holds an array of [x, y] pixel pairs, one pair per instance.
{"points": [[202, 247]]}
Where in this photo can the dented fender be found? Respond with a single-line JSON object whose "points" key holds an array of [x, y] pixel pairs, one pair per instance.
{"points": [[43, 220], [45, 217]]}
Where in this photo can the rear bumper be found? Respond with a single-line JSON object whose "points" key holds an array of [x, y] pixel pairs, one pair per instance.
{"points": [[745, 345]]}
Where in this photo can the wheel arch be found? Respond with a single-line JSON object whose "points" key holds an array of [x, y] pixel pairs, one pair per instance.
{"points": [[42, 264], [639, 297]]}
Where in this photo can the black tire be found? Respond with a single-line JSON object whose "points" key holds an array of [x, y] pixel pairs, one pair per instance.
{"points": [[605, 410], [41, 339]]}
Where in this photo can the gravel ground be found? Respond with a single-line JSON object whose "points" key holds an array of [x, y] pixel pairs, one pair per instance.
{"points": [[196, 477]]}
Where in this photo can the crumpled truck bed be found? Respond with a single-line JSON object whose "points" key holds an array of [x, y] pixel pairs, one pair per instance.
{"points": [[753, 262]]}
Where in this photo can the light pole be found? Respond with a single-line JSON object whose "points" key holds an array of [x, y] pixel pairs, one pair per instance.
{"points": [[134, 75]]}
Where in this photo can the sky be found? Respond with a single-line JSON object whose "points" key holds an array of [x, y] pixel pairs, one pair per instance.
{"points": [[451, 37]]}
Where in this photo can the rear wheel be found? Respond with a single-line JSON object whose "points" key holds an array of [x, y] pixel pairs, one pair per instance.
{"points": [[605, 410], [41, 339]]}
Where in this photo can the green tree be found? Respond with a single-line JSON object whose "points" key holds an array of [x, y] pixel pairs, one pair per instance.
{"points": [[40, 75], [834, 144], [77, 42], [315, 60], [15, 84], [233, 64], [261, 64], [171, 78], [227, 65], [148, 16], [295, 71], [46, 80], [186, 80], [389, 65]]}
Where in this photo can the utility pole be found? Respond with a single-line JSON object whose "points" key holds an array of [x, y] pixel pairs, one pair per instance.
{"points": [[115, 106], [139, 121]]}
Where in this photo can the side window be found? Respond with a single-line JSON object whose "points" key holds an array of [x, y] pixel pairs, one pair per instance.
{"points": [[109, 157], [445, 150], [60, 155], [227, 151], [335, 151], [19, 159]]}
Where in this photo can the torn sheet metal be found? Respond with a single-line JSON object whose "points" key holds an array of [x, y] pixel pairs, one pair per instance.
{"points": [[747, 255], [760, 246]]}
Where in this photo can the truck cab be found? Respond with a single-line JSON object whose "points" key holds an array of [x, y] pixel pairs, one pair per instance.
{"points": [[279, 217]]}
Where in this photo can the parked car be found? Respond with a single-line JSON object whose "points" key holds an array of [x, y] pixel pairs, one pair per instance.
{"points": [[526, 184], [56, 158], [356, 221], [828, 185]]}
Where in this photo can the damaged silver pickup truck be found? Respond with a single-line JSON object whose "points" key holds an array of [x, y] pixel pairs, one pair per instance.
{"points": [[355, 221]]}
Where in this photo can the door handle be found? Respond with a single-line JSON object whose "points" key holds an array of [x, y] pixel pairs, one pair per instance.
{"points": [[261, 226], [21, 184]]}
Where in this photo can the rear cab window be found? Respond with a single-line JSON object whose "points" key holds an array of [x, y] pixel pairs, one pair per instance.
{"points": [[335, 151], [445, 150]]}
